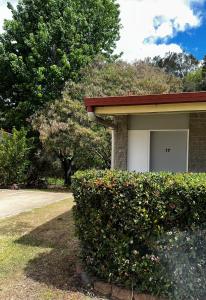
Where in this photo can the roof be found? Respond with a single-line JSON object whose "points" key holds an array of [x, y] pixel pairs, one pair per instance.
{"points": [[108, 104]]}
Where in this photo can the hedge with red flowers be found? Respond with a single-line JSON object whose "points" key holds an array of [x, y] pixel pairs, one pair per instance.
{"points": [[144, 231]]}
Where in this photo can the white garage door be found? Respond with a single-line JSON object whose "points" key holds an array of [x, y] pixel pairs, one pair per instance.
{"points": [[157, 150], [168, 151], [138, 150]]}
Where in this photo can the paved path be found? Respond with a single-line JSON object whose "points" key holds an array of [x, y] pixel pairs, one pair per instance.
{"points": [[15, 202]]}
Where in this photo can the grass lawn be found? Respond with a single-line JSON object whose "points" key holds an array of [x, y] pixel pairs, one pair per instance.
{"points": [[55, 181], [38, 253]]}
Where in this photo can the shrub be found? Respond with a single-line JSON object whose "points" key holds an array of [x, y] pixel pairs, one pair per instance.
{"points": [[144, 231], [14, 150]]}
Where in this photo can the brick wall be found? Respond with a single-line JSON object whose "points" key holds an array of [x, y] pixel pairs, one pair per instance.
{"points": [[197, 142], [120, 143]]}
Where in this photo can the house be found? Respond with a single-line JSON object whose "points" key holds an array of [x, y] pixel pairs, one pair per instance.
{"points": [[164, 132]]}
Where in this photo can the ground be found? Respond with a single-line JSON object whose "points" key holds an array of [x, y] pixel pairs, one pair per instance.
{"points": [[38, 255], [15, 202]]}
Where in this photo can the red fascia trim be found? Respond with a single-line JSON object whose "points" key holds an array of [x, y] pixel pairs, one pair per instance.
{"points": [[145, 100], [90, 108]]}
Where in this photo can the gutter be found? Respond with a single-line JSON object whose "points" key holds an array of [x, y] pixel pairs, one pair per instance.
{"points": [[91, 114], [94, 118], [192, 97]]}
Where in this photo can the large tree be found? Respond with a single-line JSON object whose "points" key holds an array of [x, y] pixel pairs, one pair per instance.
{"points": [[63, 126], [178, 64], [44, 45], [120, 78], [66, 132], [193, 81], [203, 73]]}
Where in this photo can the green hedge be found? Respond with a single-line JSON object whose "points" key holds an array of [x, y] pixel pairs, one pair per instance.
{"points": [[144, 231]]}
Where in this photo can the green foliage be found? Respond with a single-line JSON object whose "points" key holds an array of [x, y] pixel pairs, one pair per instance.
{"points": [[55, 181], [45, 44], [203, 83], [103, 78], [196, 80], [193, 81], [64, 127], [178, 64], [144, 231], [14, 151], [66, 132]]}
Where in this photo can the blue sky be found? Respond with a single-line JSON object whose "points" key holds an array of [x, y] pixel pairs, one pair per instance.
{"points": [[154, 27], [194, 40]]}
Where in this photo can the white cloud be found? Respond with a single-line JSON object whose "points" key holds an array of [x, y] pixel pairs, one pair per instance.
{"points": [[146, 21]]}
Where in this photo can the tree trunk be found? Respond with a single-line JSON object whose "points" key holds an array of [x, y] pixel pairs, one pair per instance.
{"points": [[67, 167]]}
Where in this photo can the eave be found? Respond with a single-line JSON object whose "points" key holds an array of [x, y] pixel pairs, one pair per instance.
{"points": [[120, 105]]}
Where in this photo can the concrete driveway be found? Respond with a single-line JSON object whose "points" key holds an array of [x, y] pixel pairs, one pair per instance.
{"points": [[15, 202]]}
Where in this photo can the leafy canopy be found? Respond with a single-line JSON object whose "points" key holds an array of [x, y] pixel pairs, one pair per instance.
{"points": [[196, 80], [44, 45], [14, 154], [66, 132], [193, 81], [64, 127], [178, 64], [120, 78]]}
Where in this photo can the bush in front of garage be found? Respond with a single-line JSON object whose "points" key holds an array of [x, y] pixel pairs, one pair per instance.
{"points": [[144, 231]]}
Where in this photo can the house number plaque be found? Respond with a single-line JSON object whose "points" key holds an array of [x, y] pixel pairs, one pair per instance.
{"points": [[167, 150]]}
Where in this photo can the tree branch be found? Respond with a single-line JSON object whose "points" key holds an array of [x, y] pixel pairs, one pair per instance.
{"points": [[107, 123]]}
